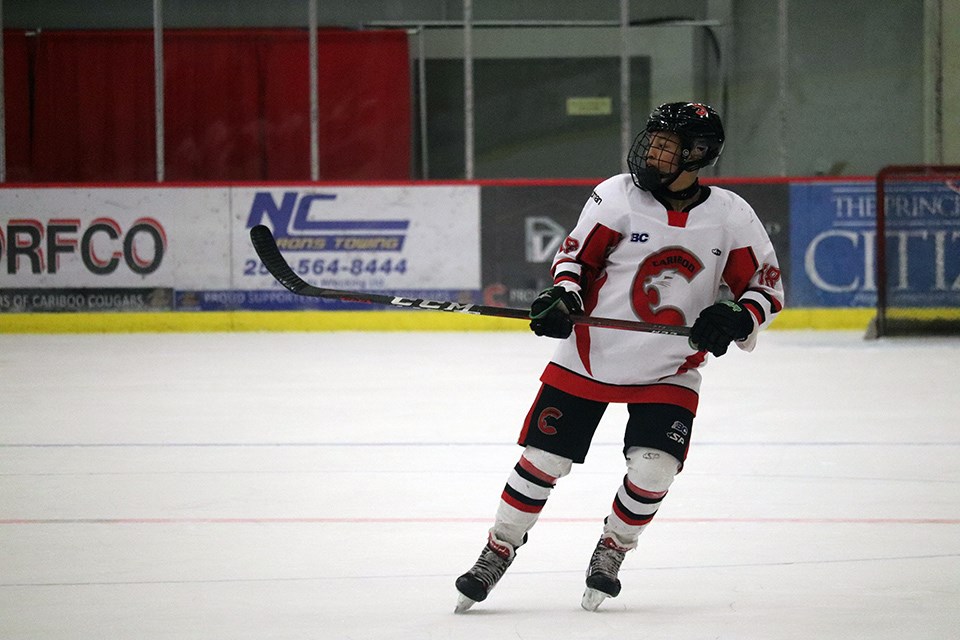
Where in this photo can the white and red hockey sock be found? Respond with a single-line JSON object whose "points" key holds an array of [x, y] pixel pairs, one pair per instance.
{"points": [[526, 492], [649, 475]]}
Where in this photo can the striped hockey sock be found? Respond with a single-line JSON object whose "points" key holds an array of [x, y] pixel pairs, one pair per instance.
{"points": [[633, 509], [526, 493]]}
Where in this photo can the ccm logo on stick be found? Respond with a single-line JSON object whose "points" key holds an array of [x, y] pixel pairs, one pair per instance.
{"points": [[432, 304]]}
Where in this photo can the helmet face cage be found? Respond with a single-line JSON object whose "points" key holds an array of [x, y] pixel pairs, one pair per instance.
{"points": [[699, 131]]}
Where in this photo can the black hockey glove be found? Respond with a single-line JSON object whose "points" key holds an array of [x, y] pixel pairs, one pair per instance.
{"points": [[719, 325], [550, 312]]}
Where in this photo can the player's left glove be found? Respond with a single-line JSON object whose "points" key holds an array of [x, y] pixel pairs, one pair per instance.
{"points": [[719, 325]]}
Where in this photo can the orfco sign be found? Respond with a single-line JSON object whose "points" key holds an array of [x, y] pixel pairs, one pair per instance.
{"points": [[29, 245]]}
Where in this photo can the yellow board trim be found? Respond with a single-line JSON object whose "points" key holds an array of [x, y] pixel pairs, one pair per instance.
{"points": [[220, 321]]}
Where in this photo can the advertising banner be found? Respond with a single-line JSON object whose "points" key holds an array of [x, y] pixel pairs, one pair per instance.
{"points": [[76, 249], [364, 238], [832, 237], [922, 233], [110, 238], [524, 225], [84, 300], [410, 240]]}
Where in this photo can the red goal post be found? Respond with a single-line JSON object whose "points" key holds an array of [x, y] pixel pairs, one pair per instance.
{"points": [[917, 251]]}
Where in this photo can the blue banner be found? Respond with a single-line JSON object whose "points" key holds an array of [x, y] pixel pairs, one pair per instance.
{"points": [[833, 241], [283, 300], [832, 237]]}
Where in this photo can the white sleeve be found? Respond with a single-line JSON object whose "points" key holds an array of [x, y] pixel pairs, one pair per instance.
{"points": [[753, 275]]}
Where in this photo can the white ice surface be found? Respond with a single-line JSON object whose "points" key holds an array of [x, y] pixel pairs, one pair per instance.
{"points": [[333, 485]]}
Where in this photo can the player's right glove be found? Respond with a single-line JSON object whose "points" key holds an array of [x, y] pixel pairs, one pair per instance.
{"points": [[550, 312], [720, 324]]}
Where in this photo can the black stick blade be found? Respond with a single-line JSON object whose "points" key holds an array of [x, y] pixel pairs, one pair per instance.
{"points": [[266, 248]]}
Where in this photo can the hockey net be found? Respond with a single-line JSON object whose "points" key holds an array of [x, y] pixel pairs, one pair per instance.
{"points": [[918, 251]]}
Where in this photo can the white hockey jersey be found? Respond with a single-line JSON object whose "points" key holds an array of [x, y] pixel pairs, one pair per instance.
{"points": [[630, 257]]}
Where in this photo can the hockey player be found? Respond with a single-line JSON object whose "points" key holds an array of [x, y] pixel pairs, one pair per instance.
{"points": [[652, 244]]}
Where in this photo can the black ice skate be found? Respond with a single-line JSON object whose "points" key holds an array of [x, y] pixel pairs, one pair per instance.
{"points": [[475, 584], [602, 581]]}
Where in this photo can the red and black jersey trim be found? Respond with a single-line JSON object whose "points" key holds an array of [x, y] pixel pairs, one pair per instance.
{"points": [[741, 266], [755, 308], [591, 257], [583, 387], [775, 305]]}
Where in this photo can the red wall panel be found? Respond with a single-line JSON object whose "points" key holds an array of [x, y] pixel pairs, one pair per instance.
{"points": [[236, 106], [16, 80], [93, 116], [364, 89]]}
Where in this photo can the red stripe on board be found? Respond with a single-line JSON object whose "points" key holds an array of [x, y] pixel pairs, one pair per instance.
{"points": [[594, 519], [513, 182]]}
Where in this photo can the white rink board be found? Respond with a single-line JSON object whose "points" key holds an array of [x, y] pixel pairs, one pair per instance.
{"points": [[364, 233], [192, 225], [198, 238]]}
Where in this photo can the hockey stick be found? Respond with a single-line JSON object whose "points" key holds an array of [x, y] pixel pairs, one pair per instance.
{"points": [[266, 247]]}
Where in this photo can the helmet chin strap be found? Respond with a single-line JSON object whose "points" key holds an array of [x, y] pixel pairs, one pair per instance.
{"points": [[683, 194]]}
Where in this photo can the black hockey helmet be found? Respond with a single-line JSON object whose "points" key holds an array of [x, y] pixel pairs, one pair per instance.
{"points": [[701, 140]]}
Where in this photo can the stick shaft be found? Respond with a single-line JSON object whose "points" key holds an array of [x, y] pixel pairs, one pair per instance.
{"points": [[266, 247]]}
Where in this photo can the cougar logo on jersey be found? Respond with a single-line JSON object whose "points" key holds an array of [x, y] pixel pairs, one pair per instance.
{"points": [[659, 280]]}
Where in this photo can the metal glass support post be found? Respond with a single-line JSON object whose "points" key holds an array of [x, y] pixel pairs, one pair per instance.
{"points": [[158, 85], [468, 127], [625, 125], [784, 63], [3, 110], [314, 92], [422, 92]]}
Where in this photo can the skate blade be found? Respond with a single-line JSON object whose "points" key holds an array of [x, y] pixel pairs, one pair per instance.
{"points": [[463, 603], [592, 599]]}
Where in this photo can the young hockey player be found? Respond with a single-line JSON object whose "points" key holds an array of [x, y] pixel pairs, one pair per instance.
{"points": [[655, 245]]}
